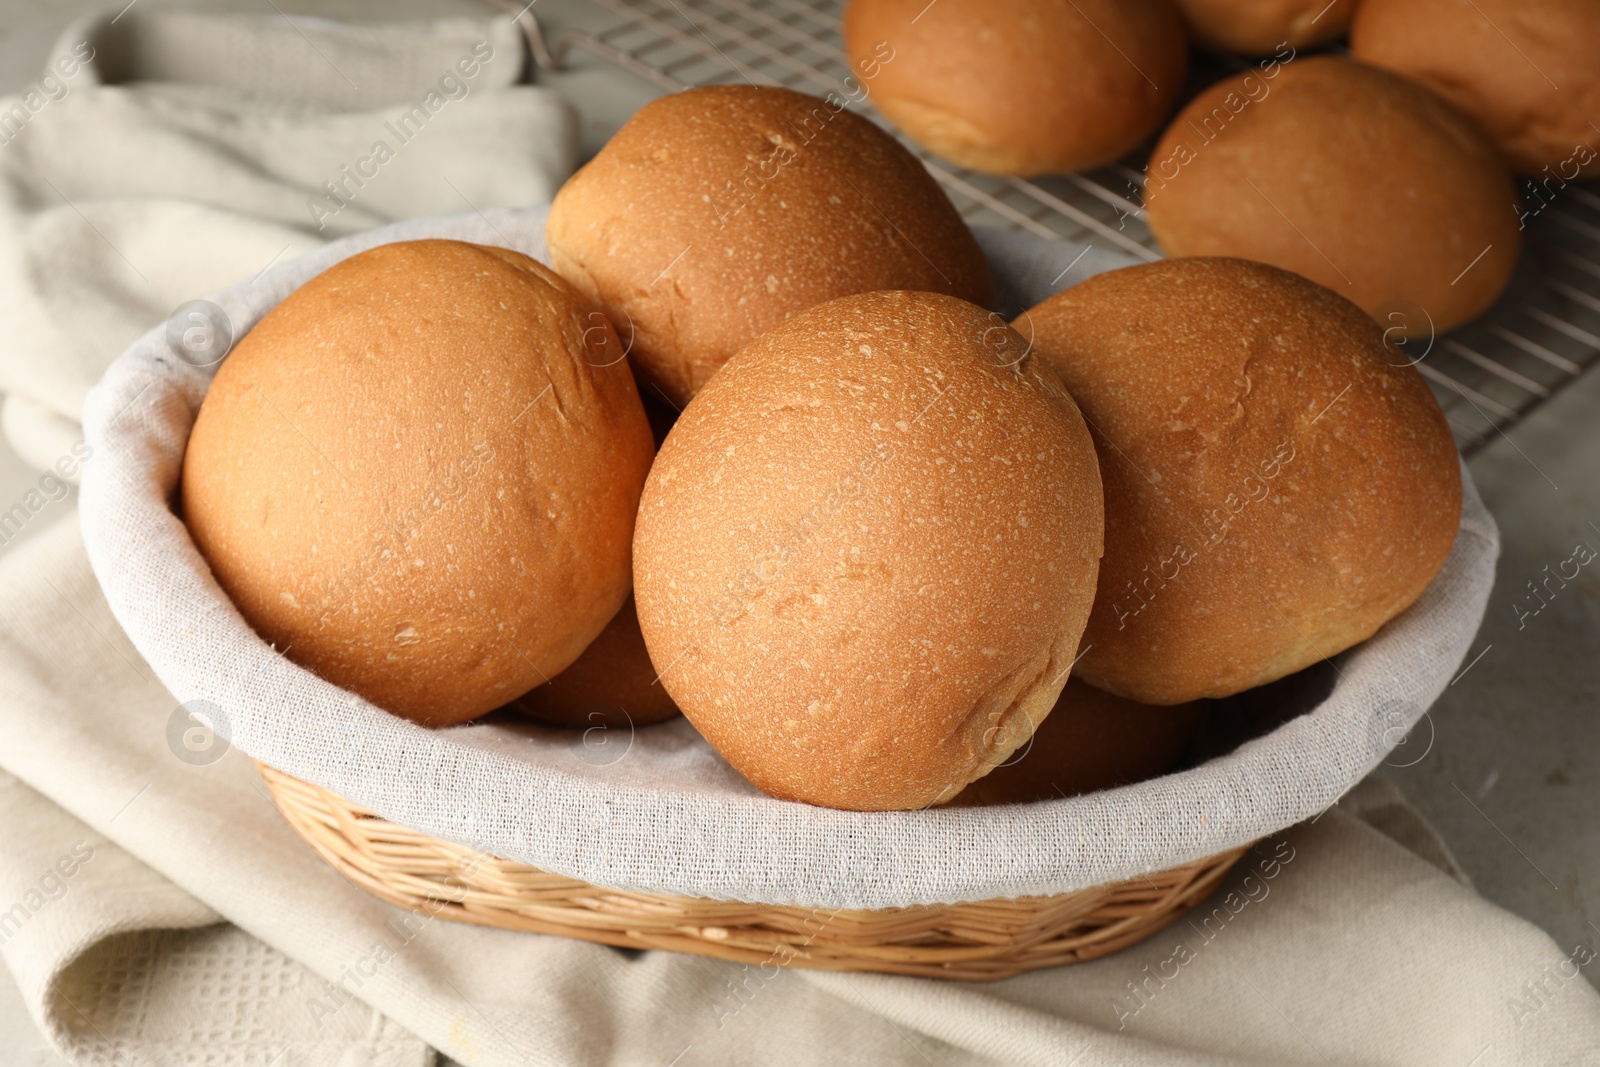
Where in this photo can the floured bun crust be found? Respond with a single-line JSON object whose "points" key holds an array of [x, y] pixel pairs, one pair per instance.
{"points": [[866, 552], [714, 214], [1279, 482], [417, 476]]}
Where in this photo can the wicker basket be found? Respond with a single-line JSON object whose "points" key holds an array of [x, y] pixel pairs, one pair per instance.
{"points": [[978, 941]]}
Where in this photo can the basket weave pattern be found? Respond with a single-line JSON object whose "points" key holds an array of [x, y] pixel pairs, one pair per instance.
{"points": [[977, 941]]}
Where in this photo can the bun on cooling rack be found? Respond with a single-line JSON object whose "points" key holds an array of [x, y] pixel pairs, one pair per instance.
{"points": [[866, 552], [417, 476], [1021, 86], [1526, 71], [716, 213], [1351, 176], [1279, 482]]}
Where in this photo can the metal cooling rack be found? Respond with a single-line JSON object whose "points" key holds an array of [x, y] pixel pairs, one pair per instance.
{"points": [[1487, 375]]}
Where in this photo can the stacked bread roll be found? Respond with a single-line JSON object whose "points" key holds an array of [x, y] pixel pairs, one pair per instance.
{"points": [[417, 476], [712, 216], [1348, 175], [1262, 27], [1410, 145], [1386, 177], [895, 551], [1022, 86], [868, 550], [1527, 72]]}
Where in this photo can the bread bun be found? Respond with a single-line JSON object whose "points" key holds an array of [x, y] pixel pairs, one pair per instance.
{"points": [[715, 214], [1279, 482], [417, 476], [613, 683], [1090, 741], [1351, 176], [1020, 86], [1526, 71], [1264, 27], [866, 552]]}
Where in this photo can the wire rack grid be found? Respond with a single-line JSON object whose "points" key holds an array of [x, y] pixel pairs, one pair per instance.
{"points": [[1543, 332]]}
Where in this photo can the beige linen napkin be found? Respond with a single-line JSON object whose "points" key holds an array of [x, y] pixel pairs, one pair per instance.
{"points": [[164, 155], [119, 965], [1343, 942]]}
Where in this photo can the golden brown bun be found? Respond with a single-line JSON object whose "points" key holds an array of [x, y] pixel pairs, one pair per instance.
{"points": [[417, 476], [1264, 27], [715, 214], [1020, 86], [1091, 740], [1351, 176], [1279, 482], [866, 552], [1526, 71], [612, 684]]}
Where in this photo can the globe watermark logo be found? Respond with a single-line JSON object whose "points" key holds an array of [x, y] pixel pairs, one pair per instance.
{"points": [[196, 732], [199, 333], [1405, 731], [608, 737], [1408, 332]]}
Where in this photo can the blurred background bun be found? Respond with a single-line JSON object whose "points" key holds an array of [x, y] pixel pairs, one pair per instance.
{"points": [[417, 476], [867, 550], [1279, 482], [1021, 86], [716, 213], [1354, 177], [612, 684], [1091, 740], [1526, 71], [1263, 27]]}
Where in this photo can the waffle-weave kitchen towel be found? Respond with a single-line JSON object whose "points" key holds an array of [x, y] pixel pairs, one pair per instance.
{"points": [[162, 155]]}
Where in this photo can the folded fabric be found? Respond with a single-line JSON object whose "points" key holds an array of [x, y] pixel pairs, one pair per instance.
{"points": [[145, 168], [119, 965], [1344, 941]]}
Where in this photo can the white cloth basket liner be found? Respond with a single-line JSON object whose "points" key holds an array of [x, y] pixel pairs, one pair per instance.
{"points": [[657, 809]]}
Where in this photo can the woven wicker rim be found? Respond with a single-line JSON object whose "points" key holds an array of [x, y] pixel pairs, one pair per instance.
{"points": [[977, 941]]}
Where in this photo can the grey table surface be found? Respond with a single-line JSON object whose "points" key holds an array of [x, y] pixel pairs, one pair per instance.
{"points": [[1506, 765]]}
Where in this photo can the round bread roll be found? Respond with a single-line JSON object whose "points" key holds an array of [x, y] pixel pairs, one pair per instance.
{"points": [[1264, 27], [613, 683], [1526, 71], [1279, 482], [715, 214], [867, 550], [418, 474], [1351, 176], [1090, 741], [1020, 86]]}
